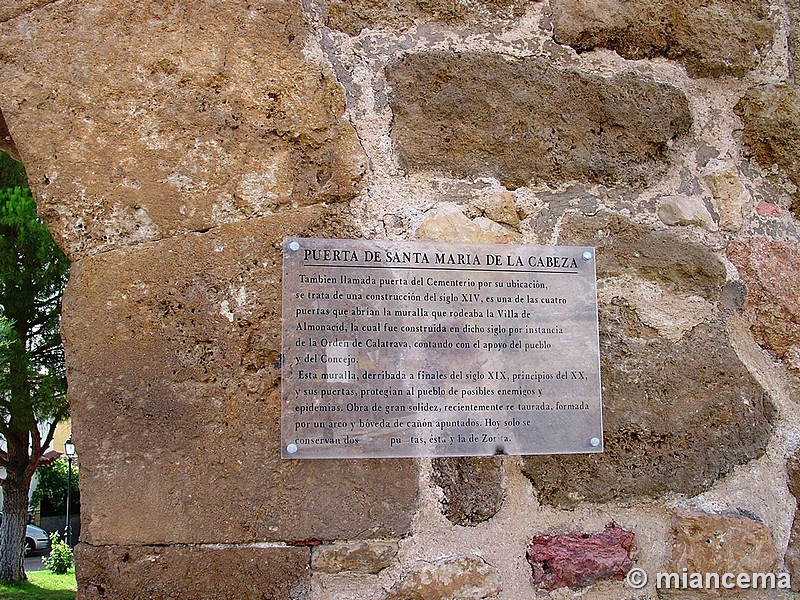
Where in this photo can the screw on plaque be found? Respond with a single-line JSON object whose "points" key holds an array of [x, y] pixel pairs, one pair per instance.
{"points": [[291, 448], [294, 246], [595, 442], [587, 255]]}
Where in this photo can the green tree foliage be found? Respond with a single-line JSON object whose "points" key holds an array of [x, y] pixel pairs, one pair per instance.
{"points": [[33, 273], [51, 485], [12, 173]]}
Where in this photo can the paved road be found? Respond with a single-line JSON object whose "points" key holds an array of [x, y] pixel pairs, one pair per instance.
{"points": [[34, 563]]}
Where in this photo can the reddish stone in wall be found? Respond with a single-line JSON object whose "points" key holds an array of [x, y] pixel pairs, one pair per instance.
{"points": [[769, 269], [578, 559]]}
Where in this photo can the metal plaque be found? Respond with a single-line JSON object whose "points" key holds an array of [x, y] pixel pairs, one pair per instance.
{"points": [[404, 349]]}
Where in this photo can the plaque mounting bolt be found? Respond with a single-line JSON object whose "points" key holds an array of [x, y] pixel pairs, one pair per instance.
{"points": [[294, 246], [595, 442], [587, 255], [291, 448]]}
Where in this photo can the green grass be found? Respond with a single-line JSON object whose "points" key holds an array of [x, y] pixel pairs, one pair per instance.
{"points": [[41, 585]]}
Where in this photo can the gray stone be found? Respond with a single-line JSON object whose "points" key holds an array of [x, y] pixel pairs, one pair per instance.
{"points": [[475, 115], [710, 39], [472, 486]]}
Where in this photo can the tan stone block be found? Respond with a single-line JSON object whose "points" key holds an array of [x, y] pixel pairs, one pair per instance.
{"points": [[448, 224], [731, 198], [710, 39], [501, 208], [235, 573], [456, 578], [173, 353], [721, 543], [685, 210], [366, 556], [472, 114], [141, 124]]}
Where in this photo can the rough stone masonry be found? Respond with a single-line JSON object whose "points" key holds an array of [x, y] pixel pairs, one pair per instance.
{"points": [[171, 145]]}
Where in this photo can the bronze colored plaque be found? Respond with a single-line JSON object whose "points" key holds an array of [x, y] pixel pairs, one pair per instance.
{"points": [[402, 349]]}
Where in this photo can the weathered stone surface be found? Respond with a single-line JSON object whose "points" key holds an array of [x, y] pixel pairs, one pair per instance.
{"points": [[457, 578], [173, 354], [146, 572], [351, 16], [685, 210], [770, 269], [793, 551], [771, 117], [472, 486], [448, 224], [721, 543], [367, 556], [6, 142], [677, 415], [578, 559], [794, 39], [624, 248], [710, 39], [479, 114], [731, 198], [140, 124], [672, 315], [501, 208]]}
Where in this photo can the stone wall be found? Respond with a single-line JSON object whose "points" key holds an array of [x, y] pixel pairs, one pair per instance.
{"points": [[172, 144]]}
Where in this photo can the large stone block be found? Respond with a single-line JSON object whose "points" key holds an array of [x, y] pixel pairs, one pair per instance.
{"points": [[770, 269], [351, 16], [721, 543], [710, 39], [173, 354], [771, 117], [480, 114], [678, 413], [139, 124], [147, 572]]}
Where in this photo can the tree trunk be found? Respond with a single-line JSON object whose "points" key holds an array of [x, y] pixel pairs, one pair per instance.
{"points": [[12, 533]]}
